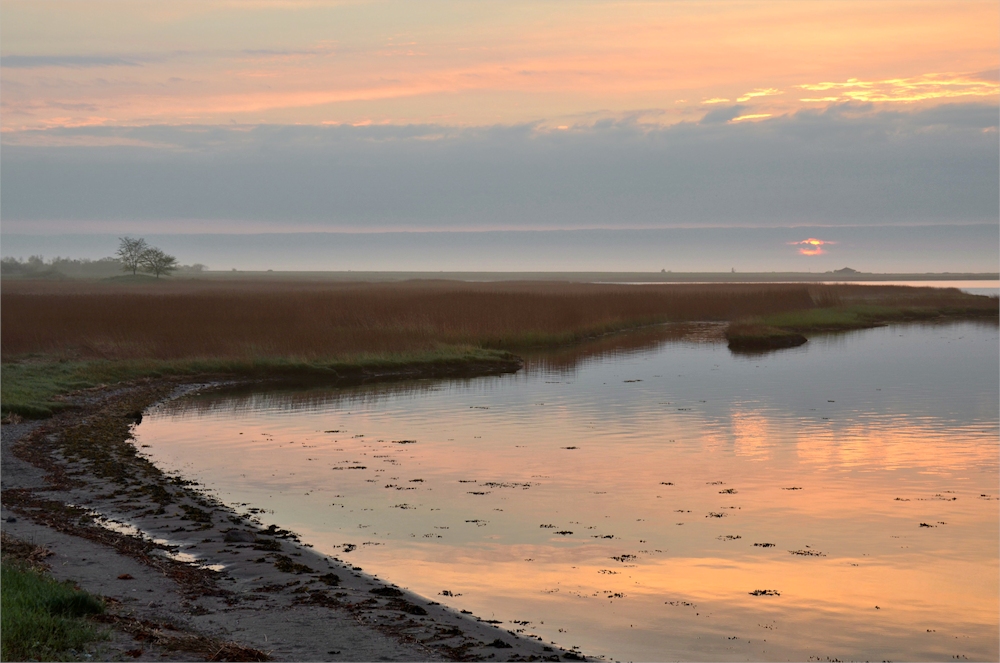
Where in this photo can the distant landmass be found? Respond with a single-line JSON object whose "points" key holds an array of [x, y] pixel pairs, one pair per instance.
{"points": [[887, 249], [595, 277]]}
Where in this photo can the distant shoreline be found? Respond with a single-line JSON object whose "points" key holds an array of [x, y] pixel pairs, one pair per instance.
{"points": [[592, 277]]}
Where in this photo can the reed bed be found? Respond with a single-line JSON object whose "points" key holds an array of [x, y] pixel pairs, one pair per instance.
{"points": [[309, 320]]}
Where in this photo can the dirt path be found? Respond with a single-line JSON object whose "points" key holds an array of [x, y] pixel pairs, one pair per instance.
{"points": [[187, 578]]}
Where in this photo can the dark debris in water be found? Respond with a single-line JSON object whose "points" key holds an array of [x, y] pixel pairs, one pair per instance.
{"points": [[287, 565], [407, 607], [385, 591], [268, 545], [331, 579], [274, 530]]}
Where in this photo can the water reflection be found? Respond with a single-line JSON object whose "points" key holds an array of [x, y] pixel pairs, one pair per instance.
{"points": [[621, 346], [562, 362], [661, 500]]}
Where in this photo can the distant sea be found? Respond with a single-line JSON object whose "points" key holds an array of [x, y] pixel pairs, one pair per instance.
{"points": [[879, 249]]}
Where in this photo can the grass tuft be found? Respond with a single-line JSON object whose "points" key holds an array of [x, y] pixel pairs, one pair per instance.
{"points": [[40, 618], [31, 388]]}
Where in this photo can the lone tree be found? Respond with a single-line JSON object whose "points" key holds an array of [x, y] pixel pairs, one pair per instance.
{"points": [[131, 252], [157, 262]]}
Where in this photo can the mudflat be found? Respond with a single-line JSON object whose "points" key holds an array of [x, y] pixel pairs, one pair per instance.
{"points": [[76, 486]]}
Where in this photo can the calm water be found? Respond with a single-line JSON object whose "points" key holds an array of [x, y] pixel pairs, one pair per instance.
{"points": [[653, 499], [981, 287]]}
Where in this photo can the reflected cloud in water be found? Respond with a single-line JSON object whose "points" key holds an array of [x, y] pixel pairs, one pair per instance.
{"points": [[632, 495]]}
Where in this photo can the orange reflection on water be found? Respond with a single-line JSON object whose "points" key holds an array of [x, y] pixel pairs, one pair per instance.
{"points": [[752, 434], [701, 597], [626, 507], [903, 443]]}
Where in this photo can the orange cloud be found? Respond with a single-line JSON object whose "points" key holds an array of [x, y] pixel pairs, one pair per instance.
{"points": [[753, 116], [812, 246], [759, 92], [340, 62], [917, 88]]}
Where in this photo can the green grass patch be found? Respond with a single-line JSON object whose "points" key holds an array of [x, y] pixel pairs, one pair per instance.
{"points": [[31, 387], [786, 329], [42, 619], [534, 339], [853, 317]]}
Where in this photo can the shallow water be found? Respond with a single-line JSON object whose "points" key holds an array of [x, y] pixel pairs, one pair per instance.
{"points": [[618, 498], [980, 287]]}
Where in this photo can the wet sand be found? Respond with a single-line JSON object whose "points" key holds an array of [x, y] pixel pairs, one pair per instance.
{"points": [[115, 525]]}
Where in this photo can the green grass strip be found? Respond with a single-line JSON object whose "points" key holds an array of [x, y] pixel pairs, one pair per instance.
{"points": [[30, 387], [40, 618], [862, 315]]}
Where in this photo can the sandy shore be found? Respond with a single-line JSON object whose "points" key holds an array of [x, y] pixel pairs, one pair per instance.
{"points": [[187, 578]]}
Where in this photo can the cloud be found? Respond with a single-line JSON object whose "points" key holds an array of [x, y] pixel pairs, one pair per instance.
{"points": [[843, 165], [760, 92], [722, 114], [928, 87], [751, 116], [72, 61]]}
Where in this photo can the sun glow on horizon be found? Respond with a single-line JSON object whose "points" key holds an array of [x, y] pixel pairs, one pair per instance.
{"points": [[811, 246]]}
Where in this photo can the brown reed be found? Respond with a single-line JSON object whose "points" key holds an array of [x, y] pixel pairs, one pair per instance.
{"points": [[316, 320]]}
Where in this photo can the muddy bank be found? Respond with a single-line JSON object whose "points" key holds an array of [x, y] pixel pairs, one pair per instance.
{"points": [[187, 578]]}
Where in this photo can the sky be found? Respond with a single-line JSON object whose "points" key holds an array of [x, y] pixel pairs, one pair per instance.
{"points": [[800, 118]]}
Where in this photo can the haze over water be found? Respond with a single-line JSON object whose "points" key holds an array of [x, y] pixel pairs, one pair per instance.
{"points": [[631, 502]]}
